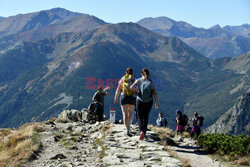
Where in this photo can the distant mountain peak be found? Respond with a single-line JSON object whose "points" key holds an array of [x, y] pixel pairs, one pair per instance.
{"points": [[56, 9], [217, 26]]}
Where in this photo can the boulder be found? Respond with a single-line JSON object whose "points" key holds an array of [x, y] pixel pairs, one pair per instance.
{"points": [[70, 116]]}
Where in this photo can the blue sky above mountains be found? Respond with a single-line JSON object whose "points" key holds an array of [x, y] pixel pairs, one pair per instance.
{"points": [[201, 13]]}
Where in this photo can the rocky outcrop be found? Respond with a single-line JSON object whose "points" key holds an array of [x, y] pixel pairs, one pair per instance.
{"points": [[71, 116], [74, 142], [236, 120]]}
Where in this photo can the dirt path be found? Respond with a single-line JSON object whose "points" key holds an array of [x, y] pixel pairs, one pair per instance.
{"points": [[189, 151]]}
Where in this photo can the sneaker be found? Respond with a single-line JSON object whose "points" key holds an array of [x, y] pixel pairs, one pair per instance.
{"points": [[129, 134], [142, 136]]}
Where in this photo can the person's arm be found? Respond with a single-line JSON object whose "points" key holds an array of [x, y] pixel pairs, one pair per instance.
{"points": [[158, 121], [177, 120], [118, 90], [94, 97], [133, 87], [106, 93], [155, 97]]}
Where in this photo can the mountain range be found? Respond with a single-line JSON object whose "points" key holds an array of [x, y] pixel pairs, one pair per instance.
{"points": [[214, 42], [42, 75], [44, 24]]}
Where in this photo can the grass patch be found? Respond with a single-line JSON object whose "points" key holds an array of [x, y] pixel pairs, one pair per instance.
{"points": [[163, 132], [245, 161], [105, 129], [20, 145]]}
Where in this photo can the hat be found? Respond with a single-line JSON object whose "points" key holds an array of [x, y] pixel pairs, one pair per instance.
{"points": [[99, 87]]}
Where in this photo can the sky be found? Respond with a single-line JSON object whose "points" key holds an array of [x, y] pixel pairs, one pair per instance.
{"points": [[200, 13]]}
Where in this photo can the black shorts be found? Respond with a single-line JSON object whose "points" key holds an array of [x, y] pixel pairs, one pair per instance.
{"points": [[127, 100]]}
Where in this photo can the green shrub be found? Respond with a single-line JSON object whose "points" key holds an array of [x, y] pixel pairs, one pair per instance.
{"points": [[234, 146]]}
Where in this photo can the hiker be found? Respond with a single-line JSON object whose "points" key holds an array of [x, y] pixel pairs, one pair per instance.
{"points": [[161, 122], [181, 122], [127, 99], [145, 89], [196, 121], [98, 99]]}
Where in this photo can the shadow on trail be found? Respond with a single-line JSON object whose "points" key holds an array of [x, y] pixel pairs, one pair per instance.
{"points": [[191, 149]]}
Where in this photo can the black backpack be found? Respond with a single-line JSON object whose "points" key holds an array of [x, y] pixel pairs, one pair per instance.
{"points": [[165, 122], [201, 118], [184, 120], [92, 113]]}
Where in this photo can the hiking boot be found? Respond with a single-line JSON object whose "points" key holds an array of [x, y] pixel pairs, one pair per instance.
{"points": [[142, 136]]}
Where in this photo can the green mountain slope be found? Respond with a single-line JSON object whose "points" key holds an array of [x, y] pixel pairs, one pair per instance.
{"points": [[182, 75]]}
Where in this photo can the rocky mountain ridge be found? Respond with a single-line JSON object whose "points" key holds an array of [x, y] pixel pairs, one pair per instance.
{"points": [[214, 42], [236, 120]]}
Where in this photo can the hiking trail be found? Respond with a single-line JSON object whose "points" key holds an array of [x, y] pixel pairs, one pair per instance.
{"points": [[80, 144], [188, 150]]}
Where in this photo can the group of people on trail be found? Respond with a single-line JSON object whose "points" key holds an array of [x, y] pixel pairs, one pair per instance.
{"points": [[135, 94], [182, 124], [138, 94]]}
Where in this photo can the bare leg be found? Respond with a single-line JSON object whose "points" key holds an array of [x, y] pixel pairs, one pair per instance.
{"points": [[130, 114], [125, 115]]}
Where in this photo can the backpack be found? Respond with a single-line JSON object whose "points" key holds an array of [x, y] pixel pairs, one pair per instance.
{"points": [[165, 122], [128, 80], [146, 91], [201, 120], [184, 120], [92, 113]]}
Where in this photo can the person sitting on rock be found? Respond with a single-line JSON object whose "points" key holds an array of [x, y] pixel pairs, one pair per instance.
{"points": [[161, 122], [99, 99], [196, 125]]}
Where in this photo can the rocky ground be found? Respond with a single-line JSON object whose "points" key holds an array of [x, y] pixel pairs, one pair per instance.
{"points": [[100, 144], [66, 143]]}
